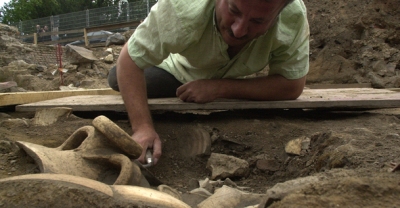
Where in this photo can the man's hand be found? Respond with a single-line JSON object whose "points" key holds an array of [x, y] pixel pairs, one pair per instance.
{"points": [[148, 138], [198, 91]]}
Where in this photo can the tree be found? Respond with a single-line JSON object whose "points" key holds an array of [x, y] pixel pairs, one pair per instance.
{"points": [[20, 10], [28, 13]]}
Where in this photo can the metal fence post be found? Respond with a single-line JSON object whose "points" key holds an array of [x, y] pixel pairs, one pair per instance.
{"points": [[127, 11], [87, 18], [148, 8]]}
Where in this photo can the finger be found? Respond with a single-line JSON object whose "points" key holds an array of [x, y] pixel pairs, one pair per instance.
{"points": [[144, 148], [181, 89], [184, 96], [142, 156], [157, 150]]}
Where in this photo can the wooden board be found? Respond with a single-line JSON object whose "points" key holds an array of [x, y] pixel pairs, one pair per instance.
{"points": [[310, 99], [17, 98]]}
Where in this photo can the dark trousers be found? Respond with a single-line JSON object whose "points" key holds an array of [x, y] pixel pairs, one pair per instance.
{"points": [[159, 82]]}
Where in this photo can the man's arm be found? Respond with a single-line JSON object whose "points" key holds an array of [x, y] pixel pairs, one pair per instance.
{"points": [[132, 85], [274, 87]]}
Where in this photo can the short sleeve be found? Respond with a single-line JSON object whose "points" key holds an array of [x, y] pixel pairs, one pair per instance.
{"points": [[291, 58], [167, 29]]}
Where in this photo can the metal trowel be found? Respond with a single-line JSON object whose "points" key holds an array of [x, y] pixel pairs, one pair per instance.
{"points": [[153, 181]]}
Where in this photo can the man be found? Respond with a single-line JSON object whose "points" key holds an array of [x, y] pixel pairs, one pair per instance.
{"points": [[46, 37], [200, 50], [38, 31]]}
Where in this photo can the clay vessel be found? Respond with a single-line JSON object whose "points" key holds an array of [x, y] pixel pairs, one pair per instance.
{"points": [[103, 153]]}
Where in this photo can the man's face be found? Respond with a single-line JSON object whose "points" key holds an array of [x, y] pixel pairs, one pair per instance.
{"points": [[240, 21]]}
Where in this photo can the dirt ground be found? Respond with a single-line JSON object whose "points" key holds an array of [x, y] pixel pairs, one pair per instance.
{"points": [[350, 151]]}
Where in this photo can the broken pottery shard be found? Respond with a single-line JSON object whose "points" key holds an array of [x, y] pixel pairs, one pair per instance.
{"points": [[231, 198], [294, 147], [48, 116], [195, 142], [206, 185], [201, 191], [225, 166], [168, 190]]}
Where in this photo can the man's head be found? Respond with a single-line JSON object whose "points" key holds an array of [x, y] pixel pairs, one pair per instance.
{"points": [[240, 21]]}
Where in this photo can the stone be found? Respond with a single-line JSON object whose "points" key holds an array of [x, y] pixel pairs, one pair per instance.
{"points": [[109, 51], [231, 198], [87, 83], [280, 190], [268, 165], [115, 39], [4, 116], [293, 147], [376, 82], [24, 80], [393, 136], [8, 30], [69, 88], [109, 59], [78, 55], [40, 68], [8, 146], [229, 182], [14, 123], [305, 144], [225, 166], [193, 184]]}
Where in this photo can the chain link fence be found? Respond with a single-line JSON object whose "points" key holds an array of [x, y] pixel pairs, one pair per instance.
{"points": [[123, 12]]}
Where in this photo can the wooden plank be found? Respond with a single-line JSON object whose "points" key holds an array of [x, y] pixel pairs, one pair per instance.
{"points": [[17, 98], [310, 99], [336, 86], [85, 36]]}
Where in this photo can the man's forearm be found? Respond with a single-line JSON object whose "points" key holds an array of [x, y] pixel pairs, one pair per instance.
{"points": [[132, 85], [273, 87]]}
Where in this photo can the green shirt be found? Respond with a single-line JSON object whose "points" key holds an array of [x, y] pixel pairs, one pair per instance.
{"points": [[182, 38]]}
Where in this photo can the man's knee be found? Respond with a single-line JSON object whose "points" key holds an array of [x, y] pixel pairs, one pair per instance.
{"points": [[112, 78]]}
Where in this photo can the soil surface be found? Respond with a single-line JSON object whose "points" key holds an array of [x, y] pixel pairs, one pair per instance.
{"points": [[352, 152]]}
